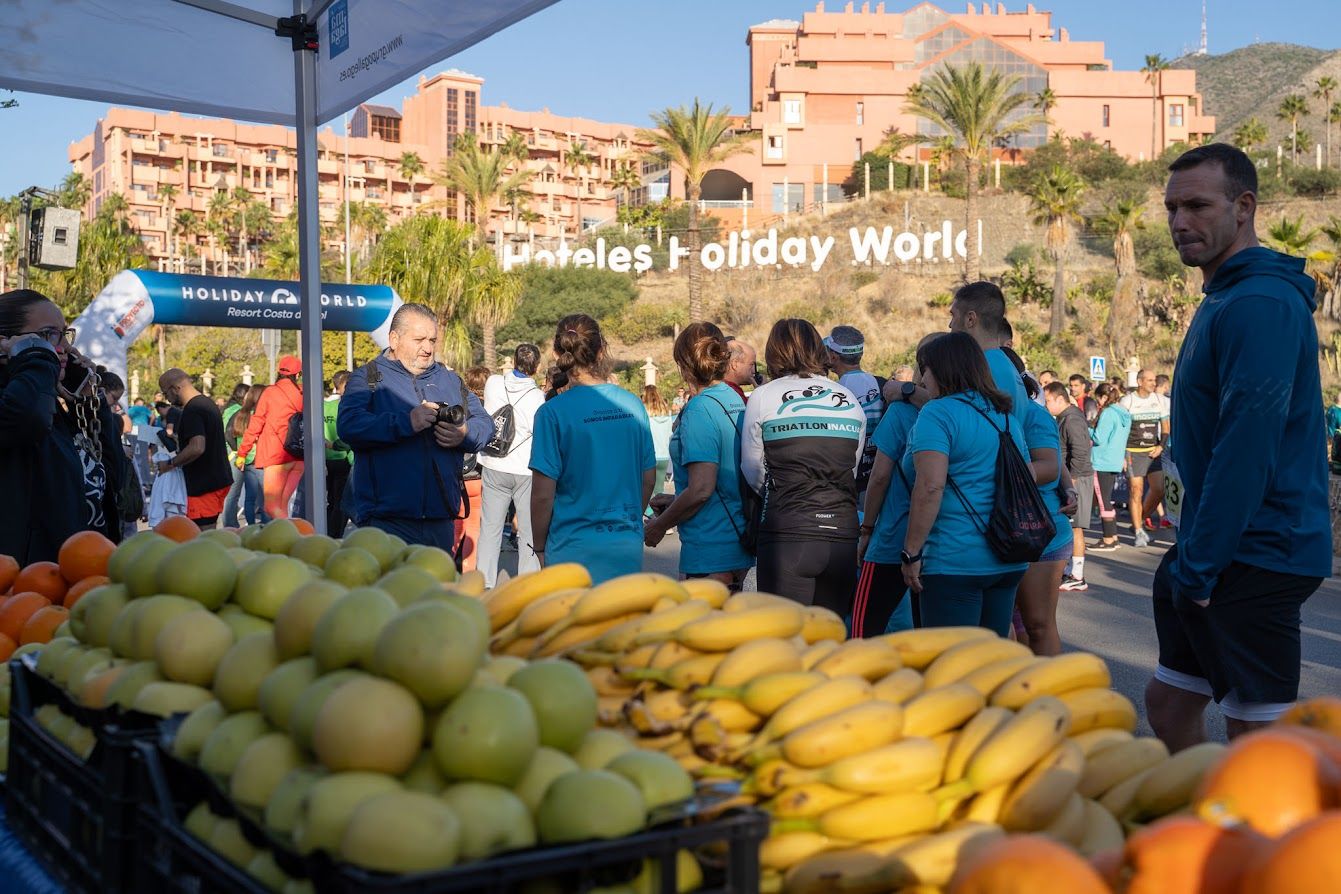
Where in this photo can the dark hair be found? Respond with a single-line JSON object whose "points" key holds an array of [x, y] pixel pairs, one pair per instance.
{"points": [[987, 301], [239, 392], [1077, 377], [1240, 173], [111, 382], [795, 349], [243, 416], [1161, 379], [1105, 395], [1048, 372], [959, 365], [555, 381], [702, 353], [14, 308], [400, 318], [578, 344], [526, 359], [1057, 389], [475, 378], [341, 376], [1030, 383]]}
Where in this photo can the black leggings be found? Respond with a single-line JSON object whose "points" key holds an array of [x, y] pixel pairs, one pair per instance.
{"points": [[1106, 482], [880, 589], [812, 572]]}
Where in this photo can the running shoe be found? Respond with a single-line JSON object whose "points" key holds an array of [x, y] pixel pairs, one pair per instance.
{"points": [[1073, 584], [1142, 539], [1102, 547], [1150, 524], [1165, 523]]}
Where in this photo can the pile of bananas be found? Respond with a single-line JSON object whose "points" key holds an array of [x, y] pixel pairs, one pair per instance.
{"points": [[883, 761]]}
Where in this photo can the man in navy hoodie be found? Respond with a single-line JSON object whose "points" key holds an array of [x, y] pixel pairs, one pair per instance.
{"points": [[407, 464], [1246, 475]]}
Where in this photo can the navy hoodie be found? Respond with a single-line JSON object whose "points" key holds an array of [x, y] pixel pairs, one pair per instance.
{"points": [[1248, 442], [393, 465]]}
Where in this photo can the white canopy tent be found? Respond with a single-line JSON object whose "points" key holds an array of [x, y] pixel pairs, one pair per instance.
{"points": [[294, 62]]}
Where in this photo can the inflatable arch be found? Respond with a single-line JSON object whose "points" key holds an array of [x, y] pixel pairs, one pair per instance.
{"points": [[137, 299]]}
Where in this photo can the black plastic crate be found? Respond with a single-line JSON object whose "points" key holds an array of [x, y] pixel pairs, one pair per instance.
{"points": [[74, 815], [172, 859]]}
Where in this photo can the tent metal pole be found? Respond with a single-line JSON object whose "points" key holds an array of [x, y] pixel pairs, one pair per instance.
{"points": [[233, 11], [309, 267]]}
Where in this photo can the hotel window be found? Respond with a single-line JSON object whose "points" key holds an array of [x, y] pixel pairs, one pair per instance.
{"points": [[861, 113], [220, 150], [791, 111], [1106, 115], [453, 107], [272, 155], [857, 150], [471, 100], [386, 128], [1176, 114], [774, 149]]}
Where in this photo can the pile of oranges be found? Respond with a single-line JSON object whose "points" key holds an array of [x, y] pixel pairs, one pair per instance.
{"points": [[1266, 820], [37, 598]]}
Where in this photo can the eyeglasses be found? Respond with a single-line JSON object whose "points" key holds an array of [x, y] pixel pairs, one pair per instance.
{"points": [[53, 335]]}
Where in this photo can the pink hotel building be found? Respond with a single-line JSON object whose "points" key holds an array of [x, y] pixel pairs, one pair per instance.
{"points": [[823, 90]]}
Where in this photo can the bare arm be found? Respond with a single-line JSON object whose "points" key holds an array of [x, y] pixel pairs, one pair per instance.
{"points": [[932, 469], [875, 499], [1045, 465], [702, 483], [542, 511]]}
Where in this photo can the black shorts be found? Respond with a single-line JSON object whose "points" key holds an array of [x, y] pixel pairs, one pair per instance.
{"points": [[811, 572], [1140, 464], [1246, 642]]}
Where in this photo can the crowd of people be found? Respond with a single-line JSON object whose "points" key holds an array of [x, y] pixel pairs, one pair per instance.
{"points": [[960, 491]]}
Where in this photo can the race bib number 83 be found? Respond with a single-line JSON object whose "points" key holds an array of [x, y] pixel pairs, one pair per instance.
{"points": [[1173, 492]]}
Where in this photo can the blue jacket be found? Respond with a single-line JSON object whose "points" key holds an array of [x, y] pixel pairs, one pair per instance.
{"points": [[1110, 439], [393, 466], [1250, 441]]}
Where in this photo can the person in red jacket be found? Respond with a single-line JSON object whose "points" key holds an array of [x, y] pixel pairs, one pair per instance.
{"points": [[269, 423]]}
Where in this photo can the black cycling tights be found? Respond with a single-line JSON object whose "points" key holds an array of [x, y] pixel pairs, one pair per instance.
{"points": [[813, 572]]}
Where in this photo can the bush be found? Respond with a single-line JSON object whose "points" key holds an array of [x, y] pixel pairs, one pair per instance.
{"points": [[864, 278], [1024, 284], [641, 322], [941, 299], [1313, 183], [855, 184], [1022, 253], [1155, 255], [551, 293]]}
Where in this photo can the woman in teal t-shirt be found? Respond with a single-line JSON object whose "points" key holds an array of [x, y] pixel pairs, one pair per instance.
{"points": [[1041, 585], [705, 455], [946, 558], [593, 463]]}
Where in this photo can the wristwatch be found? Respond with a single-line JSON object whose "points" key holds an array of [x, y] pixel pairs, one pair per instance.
{"points": [[908, 390], [906, 559]]}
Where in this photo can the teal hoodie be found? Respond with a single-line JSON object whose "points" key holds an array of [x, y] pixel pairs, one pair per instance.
{"points": [[1250, 446], [1110, 439]]}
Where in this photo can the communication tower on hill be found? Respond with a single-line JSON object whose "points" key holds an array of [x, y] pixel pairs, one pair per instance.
{"points": [[1201, 51]]}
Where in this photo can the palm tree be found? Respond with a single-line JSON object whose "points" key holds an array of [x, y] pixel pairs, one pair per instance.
{"points": [[75, 191], [1055, 199], [186, 224], [1291, 108], [972, 105], [243, 214], [1290, 236], [578, 160], [1044, 101], [694, 139], [893, 142], [217, 211], [1323, 89], [411, 167], [515, 147], [367, 222], [167, 194], [481, 177], [1154, 65], [1122, 218], [1250, 134], [493, 301], [626, 179]]}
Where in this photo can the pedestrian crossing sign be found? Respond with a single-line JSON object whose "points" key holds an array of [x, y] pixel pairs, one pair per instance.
{"points": [[1098, 369]]}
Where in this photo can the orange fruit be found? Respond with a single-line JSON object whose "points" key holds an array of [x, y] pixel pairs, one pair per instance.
{"points": [[1306, 861], [84, 555], [1026, 863], [83, 587], [1184, 855], [7, 647], [44, 578], [1271, 780], [17, 610], [1322, 713], [41, 624], [304, 526], [178, 528], [9, 569]]}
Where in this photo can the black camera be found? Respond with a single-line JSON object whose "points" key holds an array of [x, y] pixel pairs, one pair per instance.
{"points": [[452, 414]]}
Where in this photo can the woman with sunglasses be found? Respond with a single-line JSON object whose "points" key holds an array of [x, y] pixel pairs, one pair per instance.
{"points": [[53, 462]]}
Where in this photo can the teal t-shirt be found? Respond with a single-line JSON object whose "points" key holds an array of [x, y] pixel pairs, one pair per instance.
{"points": [[891, 439], [1007, 379], [948, 425], [594, 441], [708, 431], [1040, 433]]}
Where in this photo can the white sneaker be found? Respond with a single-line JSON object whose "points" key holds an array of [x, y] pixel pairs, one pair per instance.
{"points": [[1142, 538]]}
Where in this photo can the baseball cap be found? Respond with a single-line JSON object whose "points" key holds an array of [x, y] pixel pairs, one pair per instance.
{"points": [[846, 341], [289, 365]]}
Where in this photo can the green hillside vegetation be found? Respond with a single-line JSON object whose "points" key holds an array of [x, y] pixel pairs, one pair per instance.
{"points": [[1235, 84]]}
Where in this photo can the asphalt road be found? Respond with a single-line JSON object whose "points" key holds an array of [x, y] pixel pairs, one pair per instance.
{"points": [[1113, 619]]}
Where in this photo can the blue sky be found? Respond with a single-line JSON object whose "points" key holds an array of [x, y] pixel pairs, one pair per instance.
{"points": [[615, 60]]}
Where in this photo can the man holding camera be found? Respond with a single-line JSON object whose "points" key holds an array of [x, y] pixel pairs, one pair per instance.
{"points": [[410, 421]]}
